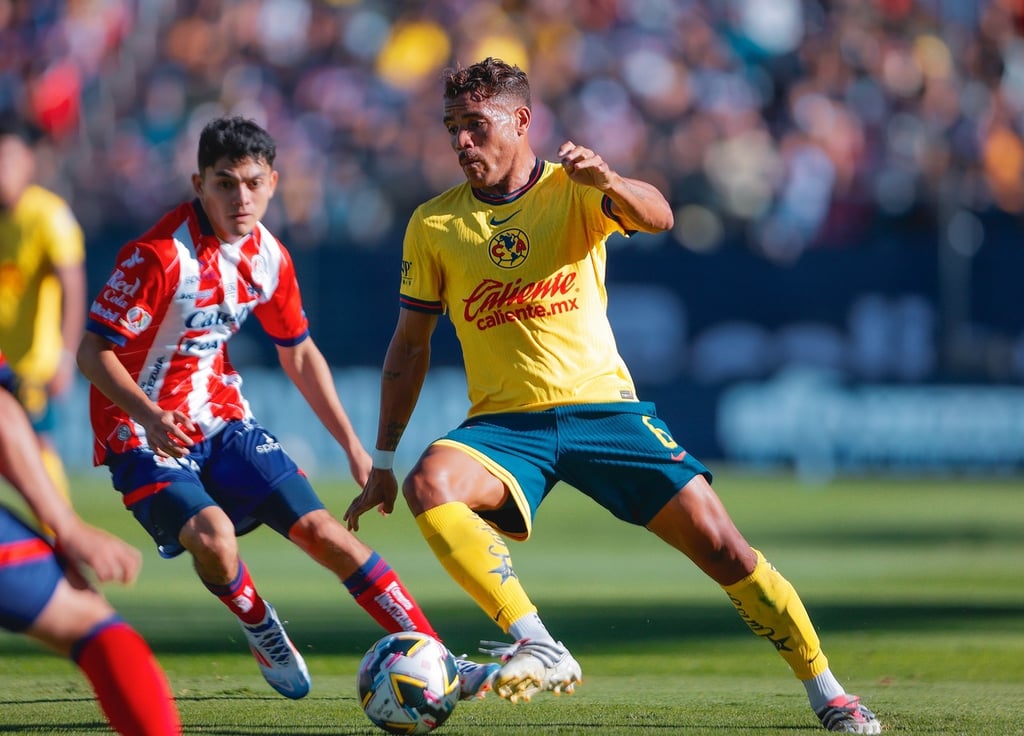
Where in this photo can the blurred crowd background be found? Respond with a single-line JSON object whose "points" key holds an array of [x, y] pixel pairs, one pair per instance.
{"points": [[847, 175], [783, 126]]}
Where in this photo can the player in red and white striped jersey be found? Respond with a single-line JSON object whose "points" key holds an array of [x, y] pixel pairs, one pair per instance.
{"points": [[171, 423]]}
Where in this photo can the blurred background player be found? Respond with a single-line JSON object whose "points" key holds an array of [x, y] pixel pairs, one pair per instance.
{"points": [[42, 291], [516, 257], [44, 595], [170, 421]]}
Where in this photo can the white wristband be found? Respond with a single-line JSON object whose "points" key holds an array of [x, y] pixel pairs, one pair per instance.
{"points": [[383, 459]]}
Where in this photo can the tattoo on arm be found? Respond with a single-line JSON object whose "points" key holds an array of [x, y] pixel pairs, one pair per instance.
{"points": [[394, 434]]}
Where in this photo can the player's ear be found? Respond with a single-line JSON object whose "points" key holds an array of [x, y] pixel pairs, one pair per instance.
{"points": [[197, 184], [523, 116]]}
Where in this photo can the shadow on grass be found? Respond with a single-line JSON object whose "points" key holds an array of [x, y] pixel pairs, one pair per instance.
{"points": [[344, 629], [932, 537], [90, 728]]}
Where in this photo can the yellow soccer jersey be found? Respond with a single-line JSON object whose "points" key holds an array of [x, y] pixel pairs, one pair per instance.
{"points": [[39, 234], [522, 280]]}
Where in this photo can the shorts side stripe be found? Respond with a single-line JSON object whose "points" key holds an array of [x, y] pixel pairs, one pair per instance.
{"points": [[132, 498], [22, 551]]}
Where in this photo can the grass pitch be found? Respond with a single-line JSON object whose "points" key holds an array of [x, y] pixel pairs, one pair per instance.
{"points": [[915, 587]]}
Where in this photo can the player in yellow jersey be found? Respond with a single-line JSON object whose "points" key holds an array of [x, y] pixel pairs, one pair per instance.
{"points": [[42, 291], [516, 257]]}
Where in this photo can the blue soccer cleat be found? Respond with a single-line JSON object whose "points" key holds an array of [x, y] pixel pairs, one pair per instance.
{"points": [[280, 662]]}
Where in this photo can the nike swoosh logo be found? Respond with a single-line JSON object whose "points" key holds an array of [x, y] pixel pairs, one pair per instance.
{"points": [[495, 221], [679, 457]]}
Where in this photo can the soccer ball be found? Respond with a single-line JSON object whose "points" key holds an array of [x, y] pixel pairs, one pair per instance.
{"points": [[408, 683]]}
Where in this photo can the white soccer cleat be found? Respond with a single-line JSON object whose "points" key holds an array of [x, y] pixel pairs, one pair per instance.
{"points": [[530, 667], [280, 662], [845, 714]]}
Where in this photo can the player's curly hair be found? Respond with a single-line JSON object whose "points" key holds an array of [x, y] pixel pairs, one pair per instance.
{"points": [[488, 78], [235, 138]]}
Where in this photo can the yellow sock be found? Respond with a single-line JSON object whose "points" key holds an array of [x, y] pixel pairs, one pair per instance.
{"points": [[770, 606], [478, 559], [55, 469], [55, 472]]}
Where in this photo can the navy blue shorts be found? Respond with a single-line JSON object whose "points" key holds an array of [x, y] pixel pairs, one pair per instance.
{"points": [[242, 469], [29, 572], [619, 454]]}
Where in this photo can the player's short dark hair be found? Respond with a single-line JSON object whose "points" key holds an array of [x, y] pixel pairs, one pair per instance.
{"points": [[488, 78], [235, 138]]}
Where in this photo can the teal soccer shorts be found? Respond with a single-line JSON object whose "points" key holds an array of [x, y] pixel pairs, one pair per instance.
{"points": [[619, 454]]}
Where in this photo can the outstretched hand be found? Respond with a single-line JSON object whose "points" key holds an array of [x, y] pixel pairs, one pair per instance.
{"points": [[110, 558], [380, 491], [584, 166]]}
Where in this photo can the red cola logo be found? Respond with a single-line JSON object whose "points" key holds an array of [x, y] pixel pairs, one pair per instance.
{"points": [[491, 294]]}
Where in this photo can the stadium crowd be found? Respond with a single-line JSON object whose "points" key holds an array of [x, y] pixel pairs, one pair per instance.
{"points": [[786, 125]]}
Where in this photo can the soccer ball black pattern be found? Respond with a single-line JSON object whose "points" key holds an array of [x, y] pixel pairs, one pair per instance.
{"points": [[408, 683]]}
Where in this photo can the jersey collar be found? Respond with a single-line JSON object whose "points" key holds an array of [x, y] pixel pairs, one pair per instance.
{"points": [[205, 228], [538, 168]]}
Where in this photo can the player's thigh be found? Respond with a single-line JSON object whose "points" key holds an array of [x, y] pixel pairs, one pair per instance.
{"points": [[291, 509], [247, 465], [36, 596], [500, 465], [162, 495], [29, 573], [623, 456]]}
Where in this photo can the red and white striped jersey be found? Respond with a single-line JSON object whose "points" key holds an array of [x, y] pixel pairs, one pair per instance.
{"points": [[174, 298]]}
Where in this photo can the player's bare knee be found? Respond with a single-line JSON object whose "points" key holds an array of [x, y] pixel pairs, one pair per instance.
{"points": [[422, 491], [210, 539], [69, 615], [215, 558]]}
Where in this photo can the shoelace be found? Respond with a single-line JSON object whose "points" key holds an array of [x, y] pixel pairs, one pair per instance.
{"points": [[548, 653], [465, 666], [274, 646], [850, 710]]}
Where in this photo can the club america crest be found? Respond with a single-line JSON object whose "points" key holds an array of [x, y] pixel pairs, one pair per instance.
{"points": [[509, 248]]}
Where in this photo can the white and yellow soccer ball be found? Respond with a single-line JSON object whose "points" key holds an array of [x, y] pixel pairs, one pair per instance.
{"points": [[408, 683]]}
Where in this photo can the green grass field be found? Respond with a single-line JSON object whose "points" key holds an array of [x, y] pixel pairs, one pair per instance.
{"points": [[916, 587]]}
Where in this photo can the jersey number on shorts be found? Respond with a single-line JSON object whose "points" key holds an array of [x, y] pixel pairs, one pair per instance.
{"points": [[662, 434]]}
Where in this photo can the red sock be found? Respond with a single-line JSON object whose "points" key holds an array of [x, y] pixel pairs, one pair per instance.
{"points": [[241, 597], [376, 588], [129, 683]]}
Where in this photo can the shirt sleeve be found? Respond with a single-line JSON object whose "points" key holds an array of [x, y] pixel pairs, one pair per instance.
{"points": [[282, 316], [421, 279], [133, 295]]}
